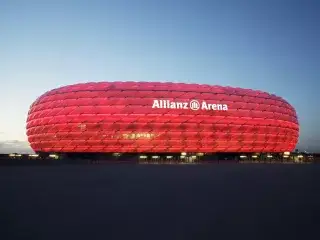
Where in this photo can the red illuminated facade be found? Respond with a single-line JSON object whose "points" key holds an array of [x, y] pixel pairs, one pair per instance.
{"points": [[152, 117]]}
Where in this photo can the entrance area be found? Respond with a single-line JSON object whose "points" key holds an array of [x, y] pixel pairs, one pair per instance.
{"points": [[169, 159]]}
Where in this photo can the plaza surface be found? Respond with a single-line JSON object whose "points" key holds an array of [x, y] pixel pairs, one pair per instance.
{"points": [[127, 201]]}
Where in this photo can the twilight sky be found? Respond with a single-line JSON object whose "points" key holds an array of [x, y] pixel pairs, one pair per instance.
{"points": [[271, 45]]}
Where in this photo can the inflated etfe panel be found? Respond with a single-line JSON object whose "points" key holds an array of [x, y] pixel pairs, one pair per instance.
{"points": [[160, 117]]}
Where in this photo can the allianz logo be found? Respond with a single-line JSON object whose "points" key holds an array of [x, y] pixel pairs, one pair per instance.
{"points": [[193, 105]]}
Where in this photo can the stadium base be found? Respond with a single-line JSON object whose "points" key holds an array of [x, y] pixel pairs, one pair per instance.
{"points": [[183, 158], [154, 158]]}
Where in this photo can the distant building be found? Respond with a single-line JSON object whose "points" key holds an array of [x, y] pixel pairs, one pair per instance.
{"points": [[160, 118]]}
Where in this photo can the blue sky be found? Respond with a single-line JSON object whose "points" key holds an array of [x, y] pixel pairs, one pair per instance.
{"points": [[266, 45]]}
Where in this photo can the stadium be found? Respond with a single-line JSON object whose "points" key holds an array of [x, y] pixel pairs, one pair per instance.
{"points": [[160, 122]]}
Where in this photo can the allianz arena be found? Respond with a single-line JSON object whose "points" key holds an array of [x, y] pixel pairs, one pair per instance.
{"points": [[162, 118]]}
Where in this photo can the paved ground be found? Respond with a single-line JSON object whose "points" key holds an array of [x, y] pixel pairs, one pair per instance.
{"points": [[218, 201]]}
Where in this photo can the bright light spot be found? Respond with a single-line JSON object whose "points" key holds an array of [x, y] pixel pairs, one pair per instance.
{"points": [[54, 156]]}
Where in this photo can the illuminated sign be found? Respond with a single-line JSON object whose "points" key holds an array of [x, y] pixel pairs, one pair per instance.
{"points": [[193, 105]]}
